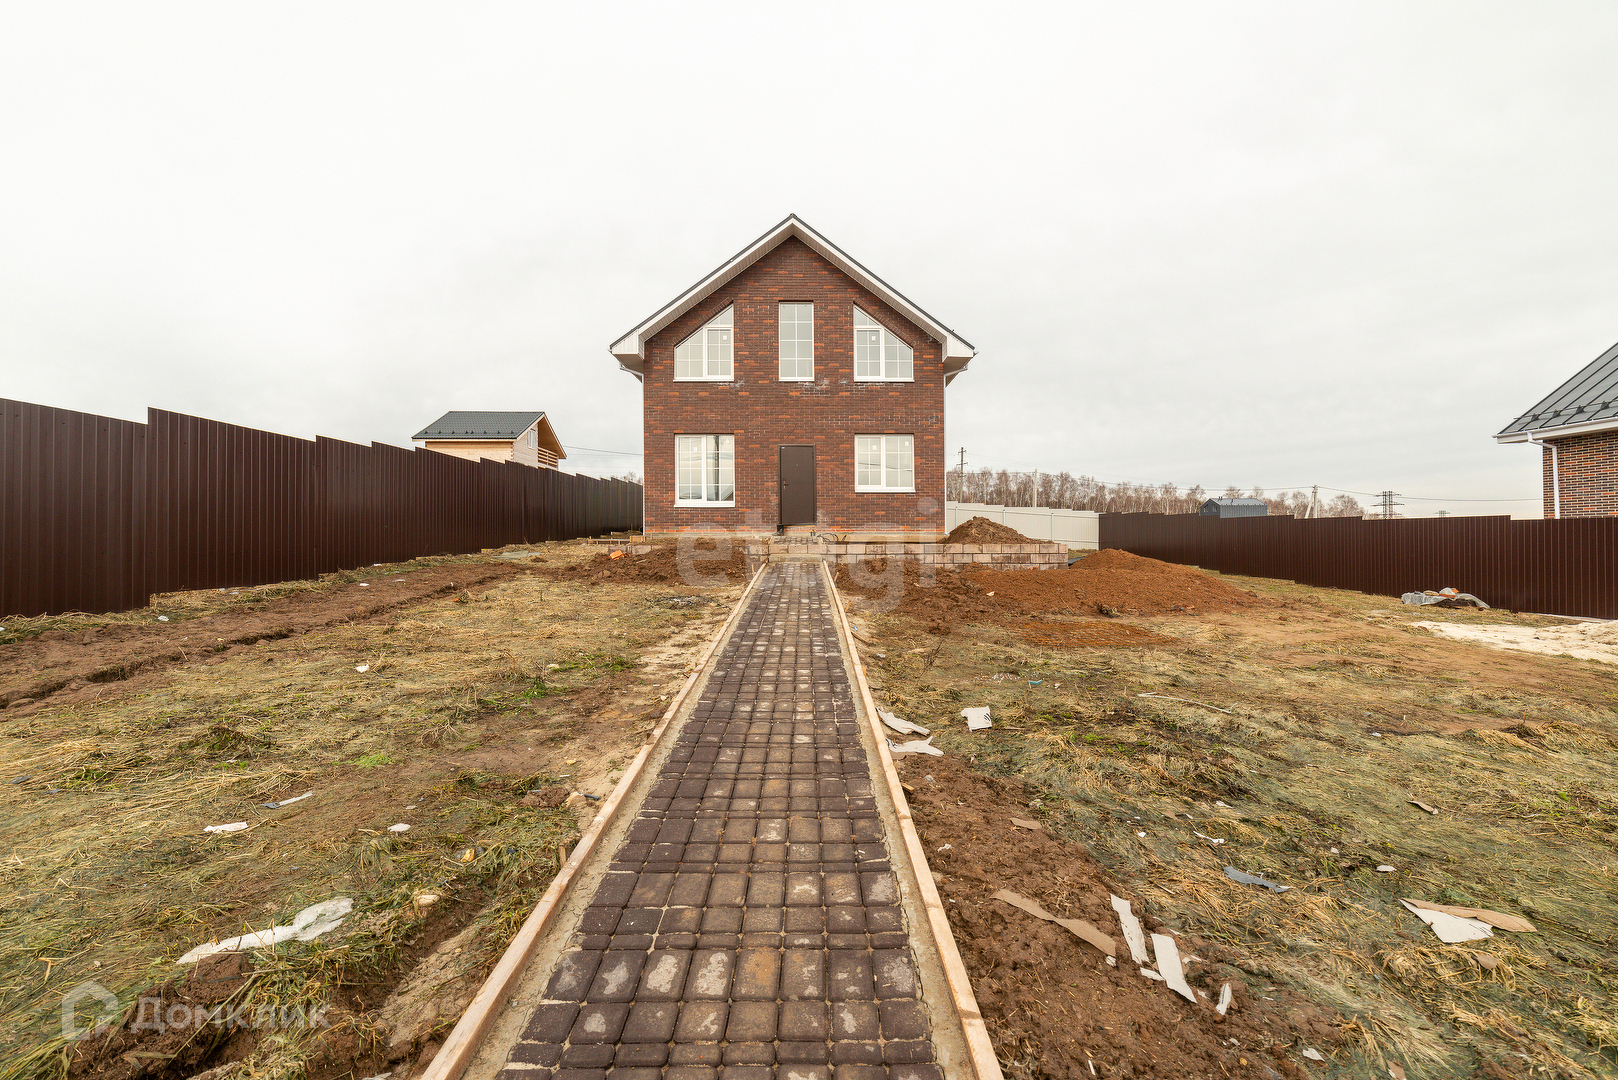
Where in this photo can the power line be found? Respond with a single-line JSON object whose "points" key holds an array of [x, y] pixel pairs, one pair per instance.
{"points": [[593, 450]]}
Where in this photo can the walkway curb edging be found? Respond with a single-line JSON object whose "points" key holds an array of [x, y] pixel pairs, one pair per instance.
{"points": [[984, 1063], [466, 1038]]}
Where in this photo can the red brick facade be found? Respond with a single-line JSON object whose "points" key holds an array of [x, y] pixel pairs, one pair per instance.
{"points": [[1588, 467], [765, 413]]}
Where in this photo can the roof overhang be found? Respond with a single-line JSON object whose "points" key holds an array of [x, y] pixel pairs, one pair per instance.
{"points": [[630, 350], [1592, 427]]}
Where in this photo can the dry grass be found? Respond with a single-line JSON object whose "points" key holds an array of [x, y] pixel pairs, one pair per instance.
{"points": [[107, 874], [1311, 798]]}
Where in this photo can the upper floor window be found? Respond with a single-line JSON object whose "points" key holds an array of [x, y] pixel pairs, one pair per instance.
{"points": [[878, 352], [533, 437], [797, 341], [706, 354]]}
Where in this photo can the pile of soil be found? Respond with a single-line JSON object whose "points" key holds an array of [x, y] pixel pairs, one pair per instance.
{"points": [[183, 1034], [1091, 634], [980, 530], [1115, 582], [80, 663], [1107, 583], [1050, 1001], [705, 565]]}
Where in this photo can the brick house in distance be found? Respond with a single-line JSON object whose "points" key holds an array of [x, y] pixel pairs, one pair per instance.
{"points": [[1577, 427], [792, 389]]}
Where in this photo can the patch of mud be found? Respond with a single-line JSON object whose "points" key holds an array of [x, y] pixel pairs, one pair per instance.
{"points": [[1053, 1006]]}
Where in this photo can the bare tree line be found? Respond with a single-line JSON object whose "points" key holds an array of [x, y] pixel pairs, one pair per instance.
{"points": [[1064, 491]]}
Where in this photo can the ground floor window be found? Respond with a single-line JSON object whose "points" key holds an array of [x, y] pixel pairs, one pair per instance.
{"points": [[884, 463], [705, 470]]}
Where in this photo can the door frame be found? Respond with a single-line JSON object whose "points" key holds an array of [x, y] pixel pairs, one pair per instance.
{"points": [[814, 484]]}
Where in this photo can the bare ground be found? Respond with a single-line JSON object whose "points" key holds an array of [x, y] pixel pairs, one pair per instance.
{"points": [[438, 693], [1340, 711]]}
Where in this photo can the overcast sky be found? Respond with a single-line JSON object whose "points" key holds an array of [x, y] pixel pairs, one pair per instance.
{"points": [[1255, 244]]}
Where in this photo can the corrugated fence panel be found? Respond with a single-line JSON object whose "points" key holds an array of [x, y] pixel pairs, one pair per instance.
{"points": [[1560, 567], [96, 514]]}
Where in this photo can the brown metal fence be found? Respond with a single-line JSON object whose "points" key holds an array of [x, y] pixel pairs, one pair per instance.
{"points": [[1560, 567], [97, 514]]}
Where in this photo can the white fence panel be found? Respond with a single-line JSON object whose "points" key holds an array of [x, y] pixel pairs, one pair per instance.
{"points": [[1075, 528]]}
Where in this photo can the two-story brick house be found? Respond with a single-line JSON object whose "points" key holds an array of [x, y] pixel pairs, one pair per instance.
{"points": [[1576, 428], [793, 388]]}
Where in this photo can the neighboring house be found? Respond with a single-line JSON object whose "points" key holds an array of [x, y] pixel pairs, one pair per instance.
{"points": [[1576, 425], [793, 387], [523, 437], [1230, 508]]}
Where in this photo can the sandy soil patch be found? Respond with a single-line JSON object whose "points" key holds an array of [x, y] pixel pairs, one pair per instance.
{"points": [[1582, 641]]}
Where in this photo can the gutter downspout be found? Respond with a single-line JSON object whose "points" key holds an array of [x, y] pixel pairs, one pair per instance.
{"points": [[1556, 476]]}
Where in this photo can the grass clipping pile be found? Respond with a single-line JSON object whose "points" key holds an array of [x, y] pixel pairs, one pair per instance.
{"points": [[1290, 735]]}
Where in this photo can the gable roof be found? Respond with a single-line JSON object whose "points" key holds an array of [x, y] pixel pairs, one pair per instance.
{"points": [[630, 349], [493, 426], [1588, 402]]}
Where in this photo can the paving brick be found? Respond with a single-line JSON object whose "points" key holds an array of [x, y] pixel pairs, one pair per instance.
{"points": [[617, 976], [642, 1054], [664, 975], [728, 890], [746, 1072], [895, 976], [537, 1053], [903, 1020], [916, 1072], [588, 1055], [803, 1021], [550, 1022], [752, 1021], [572, 977], [702, 1021], [749, 1053], [907, 1051], [804, 1072], [599, 1023], [637, 920], [849, 977], [803, 974]]}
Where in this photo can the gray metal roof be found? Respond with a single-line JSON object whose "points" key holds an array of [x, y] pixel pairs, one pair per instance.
{"points": [[1591, 396], [479, 425], [1237, 502]]}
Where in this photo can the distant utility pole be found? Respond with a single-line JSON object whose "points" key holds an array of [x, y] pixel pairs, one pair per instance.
{"points": [[1443, 513], [1386, 498], [1036, 487], [1314, 501], [963, 474]]}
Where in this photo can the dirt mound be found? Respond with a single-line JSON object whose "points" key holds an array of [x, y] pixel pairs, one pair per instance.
{"points": [[1048, 999], [706, 563], [980, 530], [1115, 582], [939, 598], [1091, 634]]}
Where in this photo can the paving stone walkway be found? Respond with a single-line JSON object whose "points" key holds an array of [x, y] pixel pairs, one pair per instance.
{"points": [[749, 926]]}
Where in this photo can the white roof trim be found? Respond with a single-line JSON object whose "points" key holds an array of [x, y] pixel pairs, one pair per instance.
{"points": [[1590, 427], [630, 350]]}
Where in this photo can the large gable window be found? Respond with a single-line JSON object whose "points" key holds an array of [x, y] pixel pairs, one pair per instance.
{"points": [[706, 354], [884, 463], [878, 352], [705, 470], [797, 342]]}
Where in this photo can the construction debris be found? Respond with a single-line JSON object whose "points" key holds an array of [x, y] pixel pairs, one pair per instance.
{"points": [[1451, 929], [915, 746], [1250, 879], [1515, 923], [306, 925], [1168, 962], [1133, 934], [1078, 927], [903, 727], [1444, 598], [978, 718]]}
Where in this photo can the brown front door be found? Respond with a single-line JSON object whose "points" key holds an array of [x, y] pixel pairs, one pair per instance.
{"points": [[797, 485]]}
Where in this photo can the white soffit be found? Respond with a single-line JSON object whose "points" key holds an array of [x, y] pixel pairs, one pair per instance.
{"points": [[1592, 427], [630, 350]]}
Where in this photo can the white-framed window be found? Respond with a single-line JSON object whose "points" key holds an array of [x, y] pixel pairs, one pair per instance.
{"points": [[705, 470], [878, 352], [533, 438], [884, 463], [797, 342], [706, 354]]}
